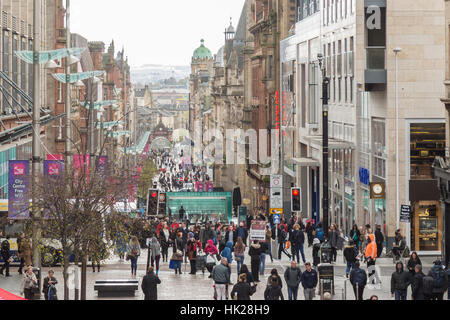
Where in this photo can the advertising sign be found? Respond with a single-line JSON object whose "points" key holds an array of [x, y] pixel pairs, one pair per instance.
{"points": [[18, 183], [258, 231], [53, 168], [405, 214], [102, 165]]}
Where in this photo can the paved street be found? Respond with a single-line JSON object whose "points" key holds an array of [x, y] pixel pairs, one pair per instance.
{"points": [[199, 287]]}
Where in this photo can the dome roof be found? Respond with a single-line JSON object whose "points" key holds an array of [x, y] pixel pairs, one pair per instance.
{"points": [[202, 52]]}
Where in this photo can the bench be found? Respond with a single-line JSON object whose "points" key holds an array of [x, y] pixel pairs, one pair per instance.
{"points": [[116, 288]]}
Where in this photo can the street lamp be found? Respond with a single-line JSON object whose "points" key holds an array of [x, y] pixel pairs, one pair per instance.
{"points": [[325, 151], [397, 166]]}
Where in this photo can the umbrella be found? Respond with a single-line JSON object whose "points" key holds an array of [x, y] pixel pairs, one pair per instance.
{"points": [[5, 295]]}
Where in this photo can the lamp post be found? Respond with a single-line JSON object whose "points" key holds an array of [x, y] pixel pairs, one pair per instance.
{"points": [[68, 146], [36, 156], [397, 166], [325, 150]]}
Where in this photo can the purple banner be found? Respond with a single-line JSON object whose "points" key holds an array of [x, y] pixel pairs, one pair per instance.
{"points": [[18, 187], [53, 168], [102, 165]]}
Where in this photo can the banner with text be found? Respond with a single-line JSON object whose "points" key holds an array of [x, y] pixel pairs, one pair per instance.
{"points": [[18, 188]]}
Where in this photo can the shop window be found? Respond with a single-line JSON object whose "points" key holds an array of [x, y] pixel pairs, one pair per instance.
{"points": [[427, 141], [426, 226]]}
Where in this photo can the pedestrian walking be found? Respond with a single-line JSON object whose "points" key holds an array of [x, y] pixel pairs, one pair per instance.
{"points": [[293, 276], [177, 256], [413, 261], [226, 253], [193, 247], [417, 284], [269, 241], [273, 290], [297, 238], [399, 282], [370, 257], [264, 252], [255, 255], [282, 238], [316, 252], [149, 285], [358, 279], [221, 279], [134, 251], [309, 280], [350, 254], [5, 251], [164, 238], [242, 291], [309, 229], [379, 239], [29, 284], [440, 284], [49, 286], [211, 254], [355, 236], [333, 236], [248, 274], [155, 251], [274, 273], [26, 248], [239, 254]]}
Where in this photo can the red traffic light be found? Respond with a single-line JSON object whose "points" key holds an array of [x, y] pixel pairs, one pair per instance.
{"points": [[154, 195], [295, 192]]}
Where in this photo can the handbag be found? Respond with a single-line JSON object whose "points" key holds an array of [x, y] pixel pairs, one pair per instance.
{"points": [[238, 258], [210, 259]]}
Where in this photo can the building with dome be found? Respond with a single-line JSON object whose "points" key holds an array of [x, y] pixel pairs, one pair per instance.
{"points": [[200, 95]]}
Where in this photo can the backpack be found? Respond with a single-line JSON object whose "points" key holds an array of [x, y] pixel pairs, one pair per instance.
{"points": [[428, 284], [52, 293], [439, 278], [5, 247], [359, 278], [320, 234]]}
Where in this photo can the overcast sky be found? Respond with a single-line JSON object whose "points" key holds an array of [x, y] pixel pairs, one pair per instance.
{"points": [[155, 31]]}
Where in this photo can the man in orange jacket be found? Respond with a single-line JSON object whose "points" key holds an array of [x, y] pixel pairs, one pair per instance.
{"points": [[370, 257]]}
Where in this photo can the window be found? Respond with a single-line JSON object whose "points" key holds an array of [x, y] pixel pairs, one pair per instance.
{"points": [[313, 93], [351, 89], [6, 108], [60, 92], [270, 67], [346, 89], [339, 89], [379, 147]]}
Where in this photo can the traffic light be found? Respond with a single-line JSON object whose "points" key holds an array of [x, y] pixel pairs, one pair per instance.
{"points": [[152, 202], [296, 200]]}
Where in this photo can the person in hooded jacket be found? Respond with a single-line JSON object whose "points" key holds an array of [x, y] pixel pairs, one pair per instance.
{"points": [[155, 248], [440, 280], [227, 253], [242, 290], [149, 285], [350, 254], [417, 284], [379, 238], [255, 255], [370, 256], [399, 282], [358, 279], [316, 252], [273, 291]]}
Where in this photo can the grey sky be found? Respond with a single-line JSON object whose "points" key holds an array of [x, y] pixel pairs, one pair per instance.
{"points": [[155, 31]]}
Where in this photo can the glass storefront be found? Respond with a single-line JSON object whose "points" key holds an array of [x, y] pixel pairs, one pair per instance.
{"points": [[426, 226]]}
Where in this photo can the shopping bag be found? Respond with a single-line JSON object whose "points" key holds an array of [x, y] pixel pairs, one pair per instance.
{"points": [[172, 264]]}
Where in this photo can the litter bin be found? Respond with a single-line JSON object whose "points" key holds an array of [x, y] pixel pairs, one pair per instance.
{"points": [[326, 278], [37, 272], [325, 253]]}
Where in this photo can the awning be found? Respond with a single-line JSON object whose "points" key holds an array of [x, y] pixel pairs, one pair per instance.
{"points": [[333, 144], [5, 295], [304, 162]]}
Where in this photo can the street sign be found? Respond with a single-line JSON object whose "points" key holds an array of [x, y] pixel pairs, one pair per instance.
{"points": [[258, 231], [276, 198], [276, 211], [405, 214], [276, 181], [276, 219]]}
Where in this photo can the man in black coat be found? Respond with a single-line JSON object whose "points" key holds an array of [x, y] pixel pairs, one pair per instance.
{"points": [[6, 254], [379, 239], [149, 285], [231, 237], [417, 283]]}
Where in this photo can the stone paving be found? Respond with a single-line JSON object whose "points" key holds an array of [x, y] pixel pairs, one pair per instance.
{"points": [[199, 287]]}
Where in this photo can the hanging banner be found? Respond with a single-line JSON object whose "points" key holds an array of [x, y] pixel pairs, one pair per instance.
{"points": [[53, 168], [209, 186], [102, 165], [19, 185], [81, 165], [55, 157], [199, 186]]}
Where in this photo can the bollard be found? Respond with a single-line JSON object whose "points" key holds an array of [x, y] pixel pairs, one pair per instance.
{"points": [[345, 290]]}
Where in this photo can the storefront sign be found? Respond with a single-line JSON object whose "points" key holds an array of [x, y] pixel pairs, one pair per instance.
{"points": [[405, 214], [258, 231], [364, 176], [18, 183], [377, 190]]}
